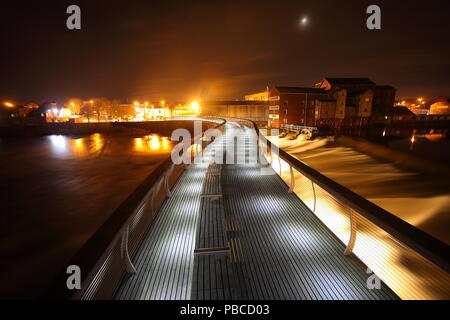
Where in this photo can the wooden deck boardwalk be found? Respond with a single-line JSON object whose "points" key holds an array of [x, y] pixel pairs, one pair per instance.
{"points": [[278, 249]]}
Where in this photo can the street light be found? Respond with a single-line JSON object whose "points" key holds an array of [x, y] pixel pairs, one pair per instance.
{"points": [[9, 104], [196, 107]]}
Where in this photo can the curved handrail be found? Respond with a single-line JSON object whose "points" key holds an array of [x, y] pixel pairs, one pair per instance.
{"points": [[426, 245], [92, 254]]}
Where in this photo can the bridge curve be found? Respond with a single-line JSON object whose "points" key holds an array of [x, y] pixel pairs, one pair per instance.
{"points": [[279, 249], [272, 228]]}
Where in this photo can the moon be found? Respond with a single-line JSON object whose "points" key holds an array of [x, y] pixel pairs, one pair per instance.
{"points": [[304, 21]]}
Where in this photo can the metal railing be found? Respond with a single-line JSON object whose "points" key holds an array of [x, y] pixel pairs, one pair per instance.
{"points": [[299, 128], [107, 256], [412, 263]]}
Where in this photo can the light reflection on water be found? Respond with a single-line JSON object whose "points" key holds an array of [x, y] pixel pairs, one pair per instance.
{"points": [[70, 147], [151, 144]]}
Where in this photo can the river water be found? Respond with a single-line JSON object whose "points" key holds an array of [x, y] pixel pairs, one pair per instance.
{"points": [[56, 191]]}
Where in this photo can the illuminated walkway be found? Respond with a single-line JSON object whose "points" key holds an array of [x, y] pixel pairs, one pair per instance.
{"points": [[278, 248], [165, 260]]}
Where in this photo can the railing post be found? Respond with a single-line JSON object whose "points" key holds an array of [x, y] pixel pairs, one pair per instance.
{"points": [[270, 156], [155, 190], [352, 240], [166, 180], [279, 163], [124, 252], [315, 197], [258, 156], [291, 189]]}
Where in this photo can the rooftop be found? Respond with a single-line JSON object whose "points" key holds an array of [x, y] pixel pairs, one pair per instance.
{"points": [[385, 87], [341, 81], [235, 103], [403, 111]]}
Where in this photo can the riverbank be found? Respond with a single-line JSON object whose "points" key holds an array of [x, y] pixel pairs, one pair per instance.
{"points": [[164, 128]]}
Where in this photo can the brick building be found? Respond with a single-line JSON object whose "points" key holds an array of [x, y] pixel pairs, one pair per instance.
{"points": [[333, 101], [293, 105], [351, 98], [256, 110]]}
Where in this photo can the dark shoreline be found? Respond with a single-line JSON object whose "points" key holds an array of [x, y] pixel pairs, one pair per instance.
{"points": [[164, 128]]}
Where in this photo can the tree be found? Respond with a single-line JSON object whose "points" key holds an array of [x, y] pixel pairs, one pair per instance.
{"points": [[116, 109], [102, 106], [87, 109], [75, 105]]}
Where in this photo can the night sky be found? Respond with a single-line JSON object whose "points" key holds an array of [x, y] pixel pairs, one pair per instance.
{"points": [[182, 50]]}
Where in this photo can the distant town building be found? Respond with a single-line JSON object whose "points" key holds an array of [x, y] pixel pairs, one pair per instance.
{"points": [[257, 110], [22, 115], [440, 107], [151, 112], [403, 114], [5, 117], [419, 106]]}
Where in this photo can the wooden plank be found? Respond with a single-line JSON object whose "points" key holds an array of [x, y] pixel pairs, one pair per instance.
{"points": [[213, 251]]}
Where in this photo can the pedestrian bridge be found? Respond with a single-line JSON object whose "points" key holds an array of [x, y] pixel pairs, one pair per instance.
{"points": [[268, 227]]}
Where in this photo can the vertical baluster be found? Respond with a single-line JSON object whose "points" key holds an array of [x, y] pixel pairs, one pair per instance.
{"points": [[315, 197], [125, 254], [291, 189], [352, 240]]}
